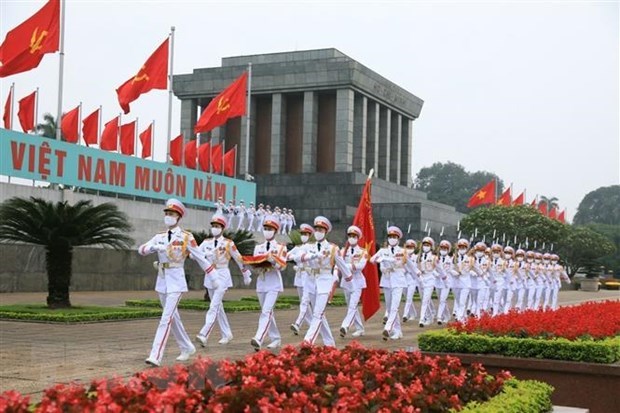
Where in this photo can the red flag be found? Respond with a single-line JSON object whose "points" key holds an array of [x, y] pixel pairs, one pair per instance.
{"points": [[363, 219], [69, 125], [542, 207], [230, 158], [190, 151], [24, 46], [562, 217], [90, 128], [506, 198], [553, 214], [520, 200], [485, 195], [204, 156], [26, 112], [216, 158], [534, 202], [6, 117], [146, 139], [109, 136], [152, 75], [128, 138], [176, 150], [228, 104]]}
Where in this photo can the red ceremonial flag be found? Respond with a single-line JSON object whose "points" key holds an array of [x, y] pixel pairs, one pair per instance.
{"points": [[152, 75], [505, 199], [520, 200], [190, 151], [204, 156], [363, 219], [229, 162], [228, 104], [128, 138], [24, 46], [176, 150], [90, 128], [562, 217], [216, 158], [109, 136], [6, 117], [485, 195], [69, 125], [542, 207], [146, 139], [553, 214], [26, 112]]}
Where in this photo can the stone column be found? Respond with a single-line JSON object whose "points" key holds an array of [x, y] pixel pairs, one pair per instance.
{"points": [[242, 145], [344, 130], [395, 147], [360, 112], [372, 135], [189, 116], [278, 119], [309, 133], [406, 151], [385, 122]]}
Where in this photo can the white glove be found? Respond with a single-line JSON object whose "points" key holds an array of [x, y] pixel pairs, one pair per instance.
{"points": [[271, 259], [247, 278]]}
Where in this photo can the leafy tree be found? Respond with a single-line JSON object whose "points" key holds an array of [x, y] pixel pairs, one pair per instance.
{"points": [[581, 248], [601, 206], [612, 233], [48, 128], [451, 184], [59, 227], [522, 221]]}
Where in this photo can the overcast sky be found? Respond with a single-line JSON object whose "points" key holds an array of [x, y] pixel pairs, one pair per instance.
{"points": [[528, 90]]}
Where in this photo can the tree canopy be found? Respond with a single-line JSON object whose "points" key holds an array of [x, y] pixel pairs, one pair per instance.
{"points": [[601, 206]]}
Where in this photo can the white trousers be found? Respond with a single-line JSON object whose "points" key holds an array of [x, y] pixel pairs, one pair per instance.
{"points": [[443, 314], [387, 295], [520, 299], [531, 298], [461, 314], [353, 313], [547, 301], [410, 311], [426, 316], [393, 322], [555, 290], [539, 294], [266, 321], [216, 312], [319, 323], [306, 302], [170, 321], [240, 224], [507, 303]]}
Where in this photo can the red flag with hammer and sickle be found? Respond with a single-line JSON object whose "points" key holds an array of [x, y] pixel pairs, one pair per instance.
{"points": [[24, 46], [228, 104]]}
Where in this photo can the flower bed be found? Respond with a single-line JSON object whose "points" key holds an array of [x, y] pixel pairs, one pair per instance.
{"points": [[308, 379]]}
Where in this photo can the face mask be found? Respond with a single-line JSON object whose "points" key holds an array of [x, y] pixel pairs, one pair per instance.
{"points": [[530, 260], [216, 231], [393, 242], [462, 251], [319, 236], [519, 258], [537, 261], [479, 254], [268, 234], [554, 262], [304, 238], [508, 256], [352, 241], [443, 252], [495, 255], [545, 261], [170, 221], [426, 248]]}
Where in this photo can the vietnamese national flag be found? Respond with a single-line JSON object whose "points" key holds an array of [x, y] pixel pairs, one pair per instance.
{"points": [[24, 46], [520, 200], [228, 104], [562, 217], [553, 214], [542, 207], [69, 125], [90, 128], [485, 195], [26, 112], [152, 75], [109, 136], [230, 158], [128, 138], [6, 117], [363, 219], [176, 150], [190, 152], [146, 139], [506, 198], [534, 202], [204, 156], [216, 158]]}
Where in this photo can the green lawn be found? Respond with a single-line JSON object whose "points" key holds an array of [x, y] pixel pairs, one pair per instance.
{"points": [[198, 304], [40, 312]]}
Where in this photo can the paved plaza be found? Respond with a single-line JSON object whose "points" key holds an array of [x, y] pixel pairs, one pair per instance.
{"points": [[34, 356]]}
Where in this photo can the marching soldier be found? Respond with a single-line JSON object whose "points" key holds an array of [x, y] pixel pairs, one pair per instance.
{"points": [[497, 275], [241, 212], [172, 247], [259, 216], [547, 279], [413, 282], [479, 278], [559, 275], [522, 279], [532, 273], [443, 280], [356, 258], [463, 268], [219, 250], [220, 206], [230, 212], [540, 280], [427, 262], [269, 284], [511, 280], [251, 212], [306, 290]]}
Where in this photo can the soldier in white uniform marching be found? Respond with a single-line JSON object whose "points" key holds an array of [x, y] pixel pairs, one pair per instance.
{"points": [[511, 279], [250, 212], [172, 247], [306, 290], [356, 258], [497, 276], [413, 282], [540, 280], [548, 281], [220, 206], [259, 215], [480, 278], [269, 284], [462, 272], [427, 262], [219, 250], [230, 213], [532, 272], [241, 213], [443, 282], [559, 275], [293, 223]]}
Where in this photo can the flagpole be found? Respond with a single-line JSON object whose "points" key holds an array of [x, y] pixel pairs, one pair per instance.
{"points": [[223, 153], [11, 111], [99, 125], [235, 167], [61, 64], [170, 73], [153, 141], [210, 153], [36, 111], [118, 133], [247, 129], [135, 138], [79, 123], [197, 149]]}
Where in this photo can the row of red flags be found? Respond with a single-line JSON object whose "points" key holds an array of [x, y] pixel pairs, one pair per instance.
{"points": [[207, 157], [487, 196]]}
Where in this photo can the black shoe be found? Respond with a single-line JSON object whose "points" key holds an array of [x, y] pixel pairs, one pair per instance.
{"points": [[254, 343], [343, 332], [421, 325]]}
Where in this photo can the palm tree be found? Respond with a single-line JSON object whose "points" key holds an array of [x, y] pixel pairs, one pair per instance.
{"points": [[59, 227], [48, 128], [552, 202]]}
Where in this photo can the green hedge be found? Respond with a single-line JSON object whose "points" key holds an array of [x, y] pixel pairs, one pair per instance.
{"points": [[39, 312], [448, 341], [337, 301], [518, 396], [196, 304]]}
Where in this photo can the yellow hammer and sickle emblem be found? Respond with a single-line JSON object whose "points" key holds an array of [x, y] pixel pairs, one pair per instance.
{"points": [[223, 105], [36, 40], [140, 77]]}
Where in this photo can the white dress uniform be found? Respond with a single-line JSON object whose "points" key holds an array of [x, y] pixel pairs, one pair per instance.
{"points": [[259, 216], [241, 213], [230, 214], [356, 258], [497, 275], [532, 273], [300, 282], [559, 275], [462, 270], [250, 212], [413, 284], [511, 283], [540, 283], [443, 284], [426, 264], [481, 276]]}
